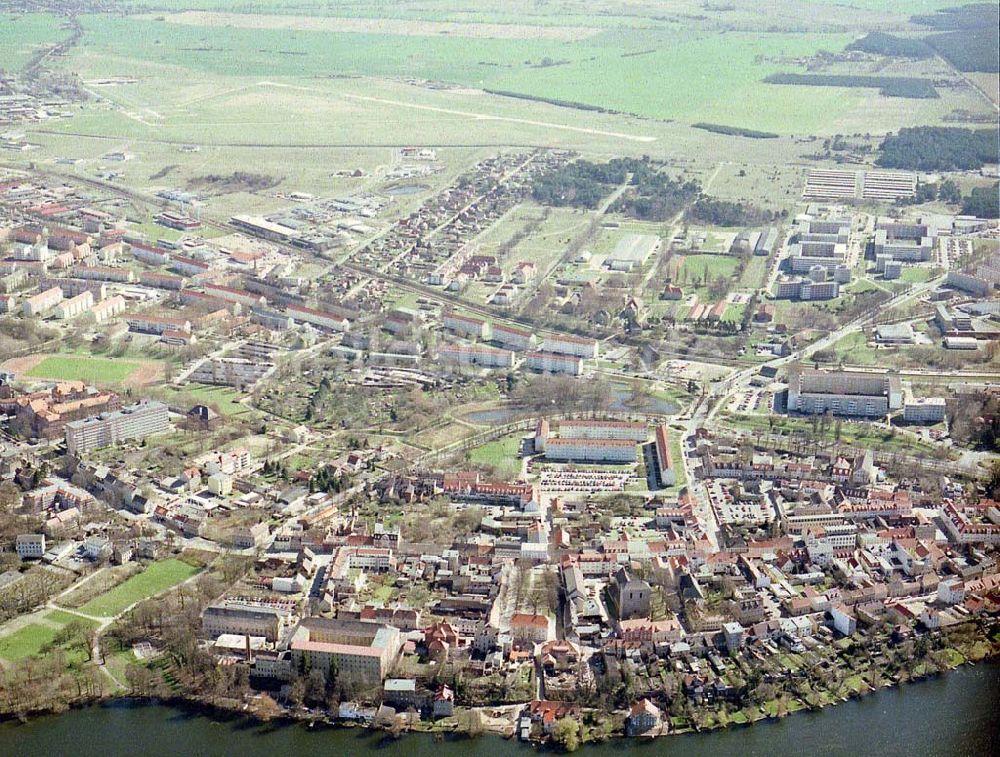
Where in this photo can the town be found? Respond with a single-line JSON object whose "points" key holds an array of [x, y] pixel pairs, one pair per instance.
{"points": [[527, 440]]}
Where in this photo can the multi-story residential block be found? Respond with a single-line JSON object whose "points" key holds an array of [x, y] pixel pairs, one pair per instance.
{"points": [[108, 308], [319, 318], [571, 345], [552, 362], [514, 338], [847, 393], [477, 354], [74, 306], [924, 410], [30, 546], [463, 325], [39, 303], [134, 422]]}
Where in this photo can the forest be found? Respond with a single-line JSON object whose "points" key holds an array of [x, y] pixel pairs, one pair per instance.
{"points": [[939, 148]]}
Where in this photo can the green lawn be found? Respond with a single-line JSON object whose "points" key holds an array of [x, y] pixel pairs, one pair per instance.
{"points": [[156, 578], [93, 370], [501, 454], [224, 398], [26, 642], [65, 618]]}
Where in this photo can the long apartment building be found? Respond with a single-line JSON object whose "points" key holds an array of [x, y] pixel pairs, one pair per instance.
{"points": [[149, 324], [514, 338], [571, 345], [41, 302], [846, 393], [634, 432], [476, 354], [104, 273], [74, 306], [318, 318], [551, 362], [133, 422], [591, 441]]}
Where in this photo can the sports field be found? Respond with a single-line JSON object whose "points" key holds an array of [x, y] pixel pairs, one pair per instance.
{"points": [[104, 371], [156, 578]]}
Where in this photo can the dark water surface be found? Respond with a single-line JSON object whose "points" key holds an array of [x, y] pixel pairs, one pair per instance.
{"points": [[955, 714]]}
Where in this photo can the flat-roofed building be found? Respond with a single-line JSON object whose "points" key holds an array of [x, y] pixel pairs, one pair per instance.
{"points": [[133, 422], [924, 410], [848, 393]]}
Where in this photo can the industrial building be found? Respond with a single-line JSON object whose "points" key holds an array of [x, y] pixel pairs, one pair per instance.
{"points": [[632, 251]]}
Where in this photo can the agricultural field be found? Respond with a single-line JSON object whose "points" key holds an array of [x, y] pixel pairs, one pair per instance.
{"points": [[22, 35], [158, 577]]}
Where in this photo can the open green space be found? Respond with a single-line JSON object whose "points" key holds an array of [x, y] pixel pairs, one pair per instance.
{"points": [[156, 578], [223, 398], [65, 618], [92, 370], [501, 454], [23, 35], [26, 641]]}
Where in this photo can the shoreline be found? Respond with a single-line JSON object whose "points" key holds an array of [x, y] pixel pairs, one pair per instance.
{"points": [[223, 712]]}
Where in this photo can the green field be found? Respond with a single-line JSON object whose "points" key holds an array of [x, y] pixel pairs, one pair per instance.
{"points": [[501, 454], [92, 370], [156, 578], [22, 35], [226, 399], [26, 642], [696, 271]]}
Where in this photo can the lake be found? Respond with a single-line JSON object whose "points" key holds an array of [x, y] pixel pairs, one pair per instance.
{"points": [[954, 714]]}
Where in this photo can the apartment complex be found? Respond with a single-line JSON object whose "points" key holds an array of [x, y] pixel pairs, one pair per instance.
{"points": [[551, 362], [476, 354], [134, 422], [815, 392]]}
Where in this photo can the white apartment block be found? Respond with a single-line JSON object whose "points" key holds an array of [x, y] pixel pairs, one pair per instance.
{"points": [[514, 338], [476, 354], [591, 450], [74, 306], [463, 325], [42, 301], [551, 362], [134, 422], [924, 410], [571, 345], [634, 432], [844, 393]]}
